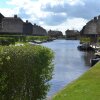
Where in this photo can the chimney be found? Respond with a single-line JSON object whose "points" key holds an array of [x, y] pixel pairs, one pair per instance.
{"points": [[15, 16], [26, 21], [95, 19], [34, 24], [99, 17]]}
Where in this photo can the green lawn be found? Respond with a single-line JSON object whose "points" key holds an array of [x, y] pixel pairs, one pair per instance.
{"points": [[87, 87]]}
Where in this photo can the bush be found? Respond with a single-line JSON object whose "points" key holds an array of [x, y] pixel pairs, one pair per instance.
{"points": [[22, 38], [25, 72], [6, 41], [16, 38], [41, 38], [85, 40]]}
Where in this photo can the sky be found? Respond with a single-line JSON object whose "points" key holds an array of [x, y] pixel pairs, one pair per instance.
{"points": [[53, 14]]}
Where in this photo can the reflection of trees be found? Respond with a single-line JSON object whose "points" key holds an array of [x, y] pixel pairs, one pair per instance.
{"points": [[87, 56]]}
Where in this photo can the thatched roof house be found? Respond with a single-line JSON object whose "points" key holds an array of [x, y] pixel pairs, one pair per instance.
{"points": [[92, 27], [15, 25], [12, 25], [55, 34]]}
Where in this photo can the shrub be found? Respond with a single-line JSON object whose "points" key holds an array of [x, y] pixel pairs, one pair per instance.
{"points": [[21, 38], [25, 72], [85, 40], [6, 41], [41, 38], [15, 38]]}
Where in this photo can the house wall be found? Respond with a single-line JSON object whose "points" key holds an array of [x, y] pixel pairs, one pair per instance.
{"points": [[38, 31], [91, 28], [1, 17], [55, 34], [0, 26], [98, 25], [27, 28], [12, 25]]}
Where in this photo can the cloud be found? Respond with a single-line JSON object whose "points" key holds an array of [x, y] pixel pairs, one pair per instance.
{"points": [[73, 23], [23, 14], [87, 11], [76, 23], [82, 9], [55, 19], [8, 12]]}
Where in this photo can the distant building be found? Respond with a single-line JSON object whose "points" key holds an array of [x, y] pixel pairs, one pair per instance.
{"points": [[39, 31], [55, 34], [72, 34], [15, 25]]}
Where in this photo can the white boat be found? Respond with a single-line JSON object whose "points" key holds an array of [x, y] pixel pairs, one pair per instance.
{"points": [[95, 46]]}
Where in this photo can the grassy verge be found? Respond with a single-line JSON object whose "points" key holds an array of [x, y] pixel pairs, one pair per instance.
{"points": [[87, 87]]}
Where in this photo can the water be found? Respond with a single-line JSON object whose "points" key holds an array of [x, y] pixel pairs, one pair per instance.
{"points": [[69, 63]]}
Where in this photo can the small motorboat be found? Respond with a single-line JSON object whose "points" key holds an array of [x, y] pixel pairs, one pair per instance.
{"points": [[85, 47], [96, 58]]}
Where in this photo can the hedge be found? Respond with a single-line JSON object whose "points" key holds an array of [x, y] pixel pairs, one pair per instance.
{"points": [[6, 41], [11, 39], [25, 72], [41, 38]]}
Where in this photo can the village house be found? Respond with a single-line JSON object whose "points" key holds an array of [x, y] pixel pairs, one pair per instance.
{"points": [[15, 25], [55, 34], [72, 34], [92, 29], [39, 31], [12, 25]]}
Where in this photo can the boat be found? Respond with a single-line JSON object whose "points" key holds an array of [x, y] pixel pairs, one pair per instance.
{"points": [[96, 58], [85, 47]]}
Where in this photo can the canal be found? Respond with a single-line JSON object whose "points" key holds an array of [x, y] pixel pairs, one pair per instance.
{"points": [[69, 63]]}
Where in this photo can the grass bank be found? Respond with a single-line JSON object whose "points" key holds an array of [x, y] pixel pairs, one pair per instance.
{"points": [[87, 87]]}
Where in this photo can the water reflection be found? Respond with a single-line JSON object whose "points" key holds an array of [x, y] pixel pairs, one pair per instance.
{"points": [[69, 63], [87, 56]]}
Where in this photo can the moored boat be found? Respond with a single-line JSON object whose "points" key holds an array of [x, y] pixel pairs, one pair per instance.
{"points": [[85, 47]]}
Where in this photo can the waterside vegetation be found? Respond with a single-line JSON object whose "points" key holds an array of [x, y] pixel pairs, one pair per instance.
{"points": [[13, 39]]}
